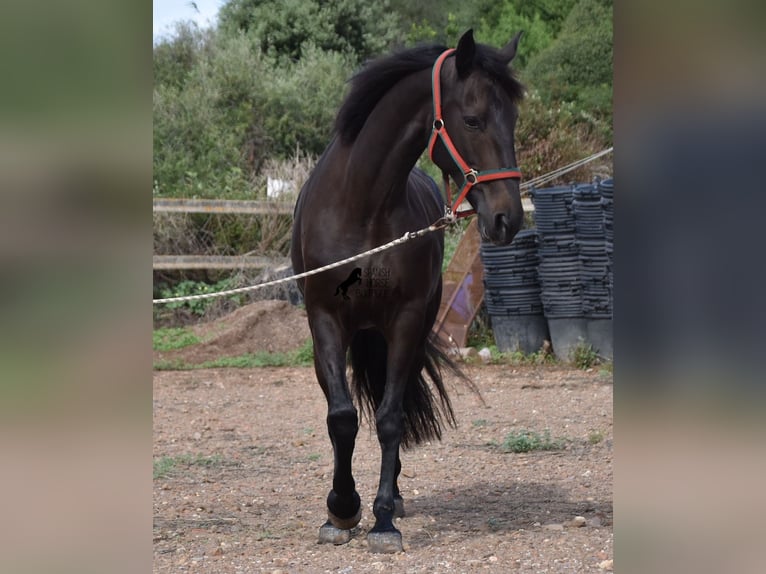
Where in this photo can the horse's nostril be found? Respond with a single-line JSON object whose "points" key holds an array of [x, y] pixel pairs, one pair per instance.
{"points": [[501, 223]]}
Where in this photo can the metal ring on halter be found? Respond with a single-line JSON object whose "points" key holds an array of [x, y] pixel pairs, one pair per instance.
{"points": [[472, 176], [438, 124]]}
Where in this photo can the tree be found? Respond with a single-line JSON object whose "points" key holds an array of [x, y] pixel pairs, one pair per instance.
{"points": [[283, 28], [577, 66]]}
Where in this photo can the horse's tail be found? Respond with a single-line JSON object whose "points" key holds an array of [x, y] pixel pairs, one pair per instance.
{"points": [[425, 411]]}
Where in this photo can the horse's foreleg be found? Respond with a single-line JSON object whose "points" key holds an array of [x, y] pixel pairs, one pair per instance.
{"points": [[398, 500], [389, 420], [344, 508]]}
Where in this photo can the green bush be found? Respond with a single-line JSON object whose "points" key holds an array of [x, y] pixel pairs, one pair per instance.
{"points": [[203, 132], [212, 137], [301, 101], [284, 29], [577, 66], [550, 135]]}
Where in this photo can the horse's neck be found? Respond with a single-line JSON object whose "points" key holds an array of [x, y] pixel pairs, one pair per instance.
{"points": [[390, 143]]}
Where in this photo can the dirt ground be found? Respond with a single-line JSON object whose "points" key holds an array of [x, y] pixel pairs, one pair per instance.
{"points": [[243, 465]]}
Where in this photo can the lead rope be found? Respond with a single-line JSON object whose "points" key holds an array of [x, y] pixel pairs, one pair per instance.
{"points": [[440, 223]]}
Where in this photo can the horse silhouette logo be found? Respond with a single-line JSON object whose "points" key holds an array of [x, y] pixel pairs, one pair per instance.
{"points": [[354, 277]]}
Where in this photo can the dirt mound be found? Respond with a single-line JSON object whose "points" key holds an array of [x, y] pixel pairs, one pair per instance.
{"points": [[263, 326]]}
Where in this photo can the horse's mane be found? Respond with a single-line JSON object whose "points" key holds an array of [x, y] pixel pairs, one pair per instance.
{"points": [[371, 83]]}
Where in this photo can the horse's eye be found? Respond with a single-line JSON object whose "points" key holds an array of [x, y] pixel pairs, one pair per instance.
{"points": [[472, 122]]}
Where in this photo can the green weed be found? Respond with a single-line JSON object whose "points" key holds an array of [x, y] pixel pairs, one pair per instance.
{"points": [[527, 441], [302, 357], [584, 356], [540, 357], [166, 465], [595, 437], [170, 339]]}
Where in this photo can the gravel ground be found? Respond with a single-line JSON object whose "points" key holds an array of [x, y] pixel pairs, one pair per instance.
{"points": [[243, 465]]}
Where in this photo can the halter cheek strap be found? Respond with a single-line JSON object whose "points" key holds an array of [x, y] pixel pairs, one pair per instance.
{"points": [[471, 177]]}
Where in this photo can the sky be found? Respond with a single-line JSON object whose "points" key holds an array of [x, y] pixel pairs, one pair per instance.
{"points": [[166, 12]]}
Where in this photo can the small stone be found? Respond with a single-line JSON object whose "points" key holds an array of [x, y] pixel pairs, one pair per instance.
{"points": [[577, 522], [492, 558], [607, 565], [486, 355], [468, 353], [553, 527]]}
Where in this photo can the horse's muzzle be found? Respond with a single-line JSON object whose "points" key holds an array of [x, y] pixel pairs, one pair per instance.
{"points": [[502, 230]]}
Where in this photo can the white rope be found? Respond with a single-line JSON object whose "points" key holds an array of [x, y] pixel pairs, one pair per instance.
{"points": [[555, 174], [441, 223]]}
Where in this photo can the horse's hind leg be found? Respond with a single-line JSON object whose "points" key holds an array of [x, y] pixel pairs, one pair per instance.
{"points": [[344, 508]]}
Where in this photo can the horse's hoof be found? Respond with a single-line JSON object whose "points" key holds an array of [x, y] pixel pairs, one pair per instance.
{"points": [[399, 507], [385, 542], [329, 534], [344, 523]]}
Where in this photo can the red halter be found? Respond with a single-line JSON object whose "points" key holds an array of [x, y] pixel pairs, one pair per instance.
{"points": [[471, 176]]}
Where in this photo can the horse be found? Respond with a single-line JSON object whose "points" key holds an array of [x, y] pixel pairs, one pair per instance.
{"points": [[365, 191]]}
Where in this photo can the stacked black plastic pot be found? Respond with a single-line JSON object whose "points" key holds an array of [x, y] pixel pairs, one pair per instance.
{"points": [[512, 293], [595, 266], [559, 269], [606, 188], [591, 243]]}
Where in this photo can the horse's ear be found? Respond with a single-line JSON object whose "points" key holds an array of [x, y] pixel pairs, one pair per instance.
{"points": [[509, 50], [464, 54]]}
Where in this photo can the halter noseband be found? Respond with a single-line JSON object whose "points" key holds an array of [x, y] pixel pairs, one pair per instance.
{"points": [[471, 176]]}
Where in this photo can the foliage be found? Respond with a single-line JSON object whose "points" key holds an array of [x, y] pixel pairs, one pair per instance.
{"points": [[595, 437], [503, 20], [301, 102], [584, 356], [166, 465], [301, 357], [196, 306], [552, 135], [285, 28], [480, 332], [577, 66], [174, 58], [527, 441], [214, 131], [494, 22], [203, 132], [172, 338], [517, 357]]}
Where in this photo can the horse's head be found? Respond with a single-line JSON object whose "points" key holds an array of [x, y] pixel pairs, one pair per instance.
{"points": [[478, 104]]}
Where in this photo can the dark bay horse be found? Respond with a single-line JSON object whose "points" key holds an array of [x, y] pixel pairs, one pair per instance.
{"points": [[364, 192]]}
